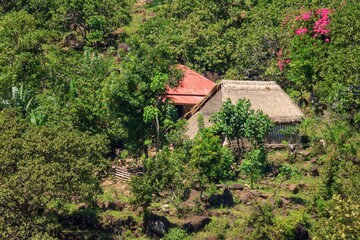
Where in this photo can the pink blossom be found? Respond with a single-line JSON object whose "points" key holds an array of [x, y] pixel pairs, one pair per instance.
{"points": [[306, 15], [281, 65], [327, 40], [281, 62], [323, 12], [297, 18], [301, 31], [320, 25]]}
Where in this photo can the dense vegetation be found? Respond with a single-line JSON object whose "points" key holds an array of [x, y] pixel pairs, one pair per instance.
{"points": [[80, 80]]}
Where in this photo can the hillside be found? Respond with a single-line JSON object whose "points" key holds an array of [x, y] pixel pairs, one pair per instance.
{"points": [[82, 91]]}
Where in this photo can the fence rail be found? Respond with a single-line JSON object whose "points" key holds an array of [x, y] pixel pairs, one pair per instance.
{"points": [[124, 174]]}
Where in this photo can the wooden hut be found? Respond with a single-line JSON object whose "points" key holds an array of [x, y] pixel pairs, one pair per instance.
{"points": [[264, 95], [192, 88]]}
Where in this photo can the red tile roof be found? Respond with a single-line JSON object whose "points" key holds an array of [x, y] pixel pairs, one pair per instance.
{"points": [[192, 87]]}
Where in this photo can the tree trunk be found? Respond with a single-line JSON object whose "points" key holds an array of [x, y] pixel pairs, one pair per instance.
{"points": [[157, 125]]}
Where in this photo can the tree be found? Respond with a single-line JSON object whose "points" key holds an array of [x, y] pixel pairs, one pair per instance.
{"points": [[163, 173], [92, 20], [253, 165], [239, 121], [136, 96], [210, 160], [43, 168], [21, 53], [286, 172]]}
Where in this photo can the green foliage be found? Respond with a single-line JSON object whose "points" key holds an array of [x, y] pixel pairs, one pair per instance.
{"points": [[176, 234], [40, 174], [253, 165], [164, 172], [21, 53], [284, 226], [340, 86], [322, 67], [210, 159], [91, 19], [286, 172], [231, 119], [239, 121], [261, 222], [342, 221], [145, 73], [342, 158], [200, 122]]}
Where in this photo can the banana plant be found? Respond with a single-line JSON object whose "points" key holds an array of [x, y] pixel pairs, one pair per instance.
{"points": [[20, 99], [37, 119]]}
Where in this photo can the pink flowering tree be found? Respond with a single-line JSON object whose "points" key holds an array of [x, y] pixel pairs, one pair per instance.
{"points": [[308, 38]]}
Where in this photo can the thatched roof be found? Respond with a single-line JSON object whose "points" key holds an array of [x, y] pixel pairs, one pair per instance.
{"points": [[264, 95]]}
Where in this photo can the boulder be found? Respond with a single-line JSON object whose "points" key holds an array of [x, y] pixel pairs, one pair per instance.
{"points": [[314, 171], [196, 223], [236, 186], [117, 205], [194, 196], [140, 210], [294, 188], [157, 225], [81, 206], [301, 233], [227, 198], [245, 197], [106, 205], [283, 202]]}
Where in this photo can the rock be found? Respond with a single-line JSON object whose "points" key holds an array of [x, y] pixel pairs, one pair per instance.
{"points": [[106, 205], [165, 208], [196, 223], [81, 206], [313, 160], [227, 198], [211, 238], [255, 193], [314, 171], [245, 197], [294, 188], [140, 210], [236, 186], [265, 195], [117, 205], [225, 212], [194, 196], [301, 233], [283, 202], [107, 222], [100, 204], [303, 186], [157, 225]]}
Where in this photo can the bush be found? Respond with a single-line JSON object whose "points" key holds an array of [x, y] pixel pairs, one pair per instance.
{"points": [[261, 222], [285, 226], [342, 221], [176, 234]]}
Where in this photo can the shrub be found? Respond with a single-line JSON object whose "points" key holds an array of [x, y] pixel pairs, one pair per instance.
{"points": [[176, 234]]}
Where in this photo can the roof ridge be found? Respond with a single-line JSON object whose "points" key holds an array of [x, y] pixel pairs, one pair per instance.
{"points": [[190, 70], [248, 82]]}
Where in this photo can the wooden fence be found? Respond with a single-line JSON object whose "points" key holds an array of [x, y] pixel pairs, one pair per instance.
{"points": [[124, 174]]}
